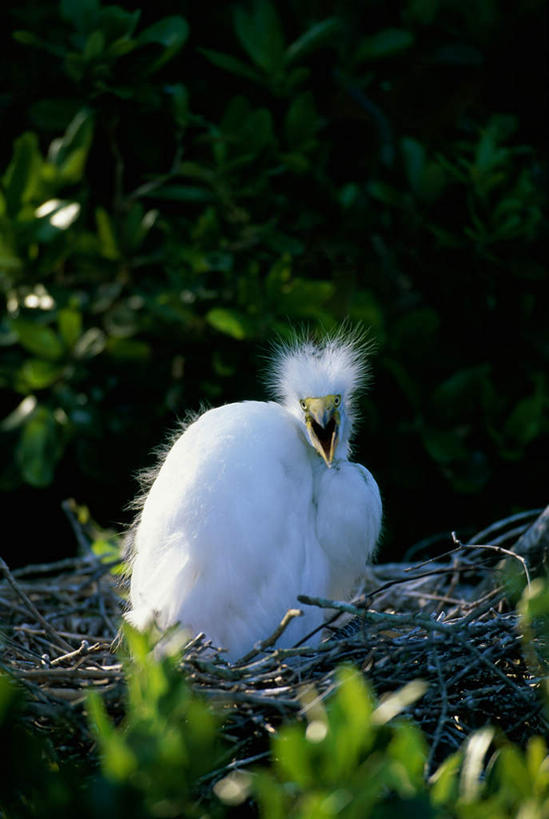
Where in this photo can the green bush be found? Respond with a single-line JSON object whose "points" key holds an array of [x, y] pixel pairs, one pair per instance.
{"points": [[182, 188], [354, 757]]}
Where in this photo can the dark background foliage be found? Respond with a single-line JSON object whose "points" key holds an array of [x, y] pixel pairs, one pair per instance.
{"points": [[180, 182]]}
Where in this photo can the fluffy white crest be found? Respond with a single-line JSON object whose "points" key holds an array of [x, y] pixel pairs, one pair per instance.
{"points": [[334, 365]]}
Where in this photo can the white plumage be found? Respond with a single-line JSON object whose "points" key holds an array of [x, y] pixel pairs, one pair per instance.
{"points": [[257, 502]]}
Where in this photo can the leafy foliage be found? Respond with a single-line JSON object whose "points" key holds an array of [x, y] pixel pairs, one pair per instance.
{"points": [[167, 742], [353, 762], [351, 756], [182, 189]]}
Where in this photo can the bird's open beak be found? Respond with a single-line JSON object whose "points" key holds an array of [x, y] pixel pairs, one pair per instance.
{"points": [[322, 420]]}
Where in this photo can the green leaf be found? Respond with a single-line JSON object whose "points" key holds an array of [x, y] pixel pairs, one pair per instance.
{"points": [[53, 115], [69, 322], [313, 38], [476, 748], [95, 46], [301, 122], [514, 772], [83, 14], [524, 423], [387, 194], [365, 307], [385, 43], [118, 759], [116, 23], [22, 178], [460, 396], [408, 747], [396, 702], [180, 103], [457, 54], [230, 322], [535, 601], [170, 33], [181, 193], [424, 11], [108, 551], [53, 216], [69, 153], [231, 64], [247, 131], [119, 48], [297, 76], [414, 162], [444, 790], [415, 332], [9, 260], [128, 349], [107, 237], [272, 798], [90, 344], [444, 445], [300, 298], [260, 34], [293, 756], [37, 374], [536, 758], [236, 114], [19, 415], [259, 129], [29, 38], [39, 448], [37, 338], [354, 703], [136, 225]]}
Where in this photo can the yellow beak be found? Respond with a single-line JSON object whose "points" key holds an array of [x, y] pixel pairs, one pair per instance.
{"points": [[322, 421]]}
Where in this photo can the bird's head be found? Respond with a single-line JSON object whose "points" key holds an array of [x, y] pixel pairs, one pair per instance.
{"points": [[317, 382], [322, 418]]}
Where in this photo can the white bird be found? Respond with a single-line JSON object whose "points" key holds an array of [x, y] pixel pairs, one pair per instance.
{"points": [[257, 502]]}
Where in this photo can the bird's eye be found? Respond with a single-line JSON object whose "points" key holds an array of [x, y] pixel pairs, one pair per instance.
{"points": [[337, 400], [303, 404]]}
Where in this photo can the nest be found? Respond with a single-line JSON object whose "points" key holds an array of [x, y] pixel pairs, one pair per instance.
{"points": [[448, 621]]}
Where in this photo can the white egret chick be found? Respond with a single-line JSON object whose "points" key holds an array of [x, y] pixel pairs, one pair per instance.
{"points": [[257, 502]]}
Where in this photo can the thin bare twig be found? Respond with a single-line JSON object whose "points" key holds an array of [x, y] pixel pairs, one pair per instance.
{"points": [[290, 615], [498, 550]]}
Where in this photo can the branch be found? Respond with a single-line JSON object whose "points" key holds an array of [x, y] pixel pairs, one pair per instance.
{"points": [[498, 549], [270, 641]]}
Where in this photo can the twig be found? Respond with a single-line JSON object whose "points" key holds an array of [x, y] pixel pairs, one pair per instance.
{"points": [[235, 765], [270, 641], [83, 651], [72, 674], [497, 549], [56, 566], [443, 715], [32, 608]]}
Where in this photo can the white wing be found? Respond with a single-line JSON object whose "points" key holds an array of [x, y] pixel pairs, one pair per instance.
{"points": [[225, 542]]}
